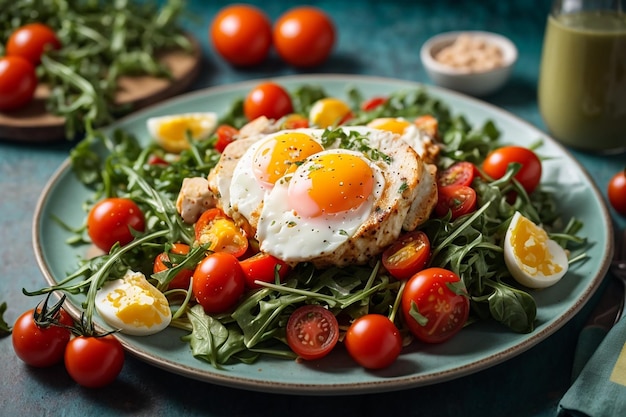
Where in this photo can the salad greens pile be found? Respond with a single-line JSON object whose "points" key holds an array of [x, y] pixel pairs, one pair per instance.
{"points": [[101, 41], [117, 164]]}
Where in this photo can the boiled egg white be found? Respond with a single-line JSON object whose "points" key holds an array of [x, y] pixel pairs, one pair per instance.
{"points": [[171, 131], [133, 305], [532, 258]]}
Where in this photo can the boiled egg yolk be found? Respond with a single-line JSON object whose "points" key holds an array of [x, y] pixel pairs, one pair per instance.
{"points": [[328, 112], [531, 256], [133, 305], [171, 132], [391, 124], [335, 183], [281, 155]]}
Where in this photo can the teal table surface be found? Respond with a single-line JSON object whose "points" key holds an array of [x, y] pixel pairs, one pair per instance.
{"points": [[380, 38]]}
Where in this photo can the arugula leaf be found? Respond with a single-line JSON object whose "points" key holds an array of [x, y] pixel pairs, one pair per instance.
{"points": [[5, 329]]}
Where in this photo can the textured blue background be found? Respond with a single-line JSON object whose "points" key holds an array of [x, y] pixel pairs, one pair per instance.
{"points": [[374, 38]]}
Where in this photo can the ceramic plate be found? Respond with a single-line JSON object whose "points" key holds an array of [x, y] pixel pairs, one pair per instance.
{"points": [[475, 348]]}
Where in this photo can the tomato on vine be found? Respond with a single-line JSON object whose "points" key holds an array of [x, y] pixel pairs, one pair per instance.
{"points": [[31, 41], [94, 361], [18, 82]]}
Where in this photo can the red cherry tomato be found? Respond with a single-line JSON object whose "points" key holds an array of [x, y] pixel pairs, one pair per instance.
{"points": [[220, 231], [225, 135], [111, 220], [31, 41], [263, 267], [497, 162], [435, 305], [94, 362], [218, 282], [460, 173], [294, 121], [372, 103], [408, 255], [617, 192], [37, 345], [304, 36], [161, 262], [269, 100], [242, 34], [18, 82], [373, 341], [459, 199], [312, 332]]}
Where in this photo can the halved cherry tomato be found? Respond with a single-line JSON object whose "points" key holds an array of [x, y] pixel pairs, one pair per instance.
{"points": [[263, 267], [241, 34], [312, 331], [221, 233], [294, 121], [529, 175], [459, 199], [225, 135], [617, 192], [31, 41], [373, 341], [161, 262], [38, 345], [269, 100], [94, 361], [18, 82], [372, 103], [408, 255], [218, 282], [304, 36], [435, 305], [111, 220], [460, 173]]}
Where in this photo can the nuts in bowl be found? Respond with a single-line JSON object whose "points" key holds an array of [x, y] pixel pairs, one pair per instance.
{"points": [[472, 62]]}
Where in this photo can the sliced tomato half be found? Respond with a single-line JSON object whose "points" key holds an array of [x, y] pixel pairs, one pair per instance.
{"points": [[312, 332], [408, 255]]}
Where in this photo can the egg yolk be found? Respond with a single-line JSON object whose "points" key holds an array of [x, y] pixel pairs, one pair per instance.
{"points": [[529, 244], [281, 155], [334, 183], [139, 303], [390, 124]]}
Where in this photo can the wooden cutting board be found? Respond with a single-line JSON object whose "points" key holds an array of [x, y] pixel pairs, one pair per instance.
{"points": [[34, 124]]}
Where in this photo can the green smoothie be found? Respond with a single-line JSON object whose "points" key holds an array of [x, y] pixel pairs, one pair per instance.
{"points": [[582, 83]]}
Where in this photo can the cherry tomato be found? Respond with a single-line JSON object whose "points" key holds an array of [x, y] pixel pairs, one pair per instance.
{"points": [[269, 100], [218, 282], [94, 361], [372, 103], [225, 135], [312, 332], [157, 160], [161, 262], [304, 36], [617, 192], [221, 233], [262, 267], [460, 173], [373, 341], [242, 34], [294, 121], [110, 221], [408, 255], [40, 346], [497, 162], [18, 82], [435, 305], [31, 41], [460, 199]]}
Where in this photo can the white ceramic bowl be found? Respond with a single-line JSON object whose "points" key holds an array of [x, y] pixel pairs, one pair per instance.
{"points": [[479, 83]]}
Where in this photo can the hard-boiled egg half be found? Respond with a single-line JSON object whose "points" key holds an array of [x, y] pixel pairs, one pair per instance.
{"points": [[133, 305], [531, 256], [173, 132]]}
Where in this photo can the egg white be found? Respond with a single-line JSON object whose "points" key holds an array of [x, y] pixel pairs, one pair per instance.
{"points": [[529, 276], [133, 291], [292, 238]]}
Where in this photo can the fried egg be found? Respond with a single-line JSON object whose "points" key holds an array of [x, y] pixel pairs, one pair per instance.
{"points": [[133, 305], [171, 131], [532, 258]]}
